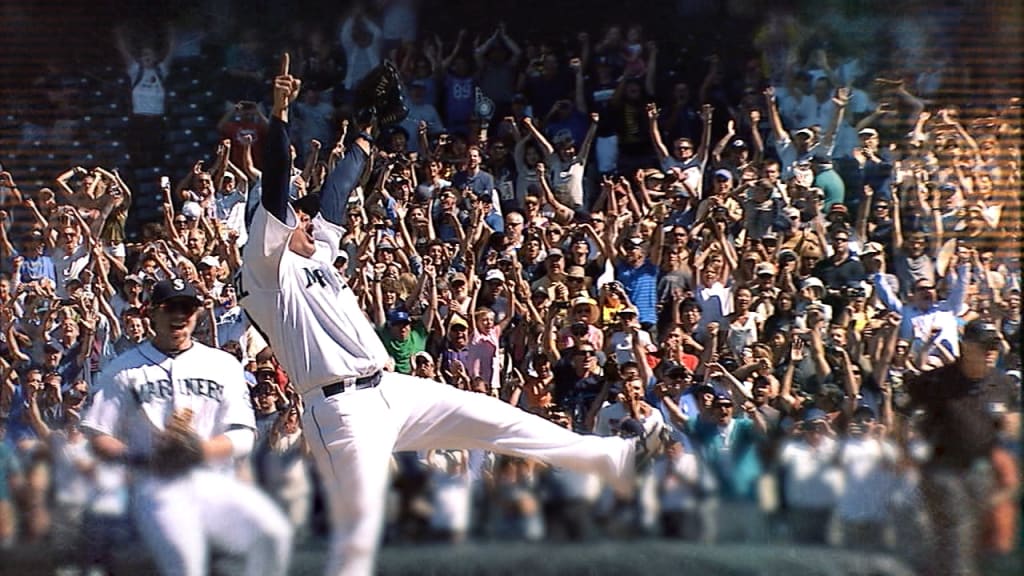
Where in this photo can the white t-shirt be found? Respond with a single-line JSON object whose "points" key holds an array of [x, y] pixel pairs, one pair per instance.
{"points": [[811, 479], [139, 391], [312, 318], [611, 416], [148, 93], [68, 266], [567, 179], [866, 481]]}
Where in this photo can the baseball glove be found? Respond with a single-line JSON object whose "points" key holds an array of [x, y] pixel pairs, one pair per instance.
{"points": [[178, 448], [380, 96]]}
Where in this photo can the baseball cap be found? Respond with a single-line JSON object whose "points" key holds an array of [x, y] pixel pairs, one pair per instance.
{"points": [[191, 210], [166, 290], [485, 196], [265, 366], [765, 268], [815, 415], [308, 204], [805, 132], [398, 317], [675, 370], [872, 248], [554, 252], [494, 274], [813, 282], [458, 277], [982, 332], [635, 242], [724, 174], [209, 261], [457, 320], [36, 234], [867, 132], [838, 209], [422, 357], [133, 278], [737, 143], [629, 310], [576, 272], [787, 255], [721, 399]]}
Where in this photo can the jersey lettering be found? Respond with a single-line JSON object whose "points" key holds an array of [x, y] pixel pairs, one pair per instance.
{"points": [[315, 275], [146, 392]]}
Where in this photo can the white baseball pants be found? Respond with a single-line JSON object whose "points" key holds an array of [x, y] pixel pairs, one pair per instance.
{"points": [[179, 519], [352, 436]]}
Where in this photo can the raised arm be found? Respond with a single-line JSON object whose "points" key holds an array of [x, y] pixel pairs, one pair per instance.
{"points": [[277, 161], [545, 146], [774, 118], [588, 140], [655, 132]]}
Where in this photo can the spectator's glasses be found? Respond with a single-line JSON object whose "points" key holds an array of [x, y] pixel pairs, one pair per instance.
{"points": [[553, 231], [881, 206], [840, 240], [684, 147], [532, 203], [585, 354], [573, 280], [180, 220]]}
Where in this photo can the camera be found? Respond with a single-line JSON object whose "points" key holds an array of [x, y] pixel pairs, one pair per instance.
{"points": [[560, 305], [579, 329]]}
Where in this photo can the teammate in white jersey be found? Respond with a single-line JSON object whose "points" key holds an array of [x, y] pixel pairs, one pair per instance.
{"points": [[356, 414], [148, 390]]}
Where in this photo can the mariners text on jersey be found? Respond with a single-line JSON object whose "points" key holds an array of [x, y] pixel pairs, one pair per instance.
{"points": [[166, 389]]}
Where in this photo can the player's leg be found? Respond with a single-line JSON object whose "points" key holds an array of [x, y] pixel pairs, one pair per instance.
{"points": [[166, 515], [434, 415], [352, 436], [243, 520]]}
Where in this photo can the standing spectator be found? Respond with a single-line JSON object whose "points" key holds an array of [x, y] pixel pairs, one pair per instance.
{"points": [[361, 39], [809, 479], [147, 69]]}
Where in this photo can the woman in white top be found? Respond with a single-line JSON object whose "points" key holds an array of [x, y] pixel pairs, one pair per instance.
{"points": [[744, 323]]}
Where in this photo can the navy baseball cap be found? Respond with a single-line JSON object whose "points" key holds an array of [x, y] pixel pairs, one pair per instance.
{"points": [[309, 204], [398, 317], [815, 415], [176, 289], [982, 332]]}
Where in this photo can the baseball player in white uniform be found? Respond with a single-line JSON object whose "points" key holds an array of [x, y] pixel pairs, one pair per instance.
{"points": [[355, 413], [178, 413]]}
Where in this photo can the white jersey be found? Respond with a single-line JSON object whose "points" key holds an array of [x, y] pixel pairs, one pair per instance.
{"points": [[313, 320], [140, 390]]}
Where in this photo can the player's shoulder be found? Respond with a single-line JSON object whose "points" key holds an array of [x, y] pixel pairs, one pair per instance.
{"points": [[132, 358], [213, 357]]}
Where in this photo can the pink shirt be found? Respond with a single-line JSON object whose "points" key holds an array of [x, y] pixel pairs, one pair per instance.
{"points": [[482, 353]]}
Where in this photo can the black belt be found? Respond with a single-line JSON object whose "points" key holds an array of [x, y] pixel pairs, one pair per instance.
{"points": [[370, 381]]}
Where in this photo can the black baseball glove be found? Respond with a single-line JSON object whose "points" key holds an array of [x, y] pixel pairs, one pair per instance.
{"points": [[178, 449], [380, 96]]}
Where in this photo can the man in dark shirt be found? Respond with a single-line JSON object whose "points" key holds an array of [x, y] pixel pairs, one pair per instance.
{"points": [[839, 271], [578, 384], [960, 402]]}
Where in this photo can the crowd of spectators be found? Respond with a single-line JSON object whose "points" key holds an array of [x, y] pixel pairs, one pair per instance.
{"points": [[760, 260]]}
